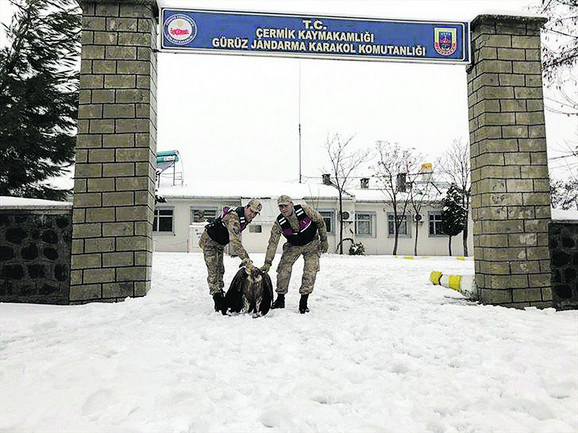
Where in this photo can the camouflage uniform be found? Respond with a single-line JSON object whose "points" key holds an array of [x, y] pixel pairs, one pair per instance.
{"points": [[214, 252], [310, 252]]}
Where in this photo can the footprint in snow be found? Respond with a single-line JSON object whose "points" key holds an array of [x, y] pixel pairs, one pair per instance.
{"points": [[96, 404]]}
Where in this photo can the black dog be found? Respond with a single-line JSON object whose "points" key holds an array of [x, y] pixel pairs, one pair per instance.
{"points": [[249, 293]]}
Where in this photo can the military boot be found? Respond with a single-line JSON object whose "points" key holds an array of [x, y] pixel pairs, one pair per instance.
{"points": [[303, 304], [279, 302]]}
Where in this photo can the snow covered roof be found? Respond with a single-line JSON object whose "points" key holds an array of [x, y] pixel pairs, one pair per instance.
{"points": [[32, 203], [369, 195], [248, 189]]}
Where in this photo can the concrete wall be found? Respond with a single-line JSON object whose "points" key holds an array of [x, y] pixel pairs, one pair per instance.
{"points": [[428, 245], [381, 243]]}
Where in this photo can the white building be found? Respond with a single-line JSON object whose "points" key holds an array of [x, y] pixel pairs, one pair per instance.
{"points": [[368, 217]]}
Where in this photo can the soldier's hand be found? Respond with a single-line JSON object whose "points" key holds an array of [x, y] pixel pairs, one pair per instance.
{"points": [[324, 246], [265, 268], [249, 267]]}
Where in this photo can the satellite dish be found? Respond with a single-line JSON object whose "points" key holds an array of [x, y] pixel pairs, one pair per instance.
{"points": [[345, 216]]}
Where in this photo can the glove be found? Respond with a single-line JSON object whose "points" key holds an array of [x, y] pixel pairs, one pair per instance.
{"points": [[265, 268], [324, 246]]}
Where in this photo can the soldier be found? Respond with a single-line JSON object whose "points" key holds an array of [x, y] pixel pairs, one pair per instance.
{"points": [[300, 224], [224, 229]]}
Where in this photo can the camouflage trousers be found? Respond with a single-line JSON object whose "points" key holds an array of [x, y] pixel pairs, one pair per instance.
{"points": [[213, 253], [291, 253]]}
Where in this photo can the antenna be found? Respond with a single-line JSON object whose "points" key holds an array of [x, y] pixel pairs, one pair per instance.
{"points": [[299, 121]]}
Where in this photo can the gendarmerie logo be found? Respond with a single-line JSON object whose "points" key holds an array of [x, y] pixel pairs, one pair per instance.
{"points": [[180, 29], [445, 40]]}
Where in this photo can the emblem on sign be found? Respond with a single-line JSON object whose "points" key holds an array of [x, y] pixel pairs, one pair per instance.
{"points": [[445, 40], [180, 29]]}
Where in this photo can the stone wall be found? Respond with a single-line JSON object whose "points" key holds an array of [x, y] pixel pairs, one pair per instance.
{"points": [[35, 255], [563, 237], [510, 182]]}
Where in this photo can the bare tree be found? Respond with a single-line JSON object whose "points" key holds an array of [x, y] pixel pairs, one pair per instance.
{"points": [[560, 55], [455, 165], [564, 191], [560, 69], [564, 167], [423, 191], [560, 47], [344, 162], [564, 194], [393, 167]]}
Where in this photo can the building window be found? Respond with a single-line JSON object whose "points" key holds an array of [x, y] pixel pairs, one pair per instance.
{"points": [[435, 224], [203, 214], [403, 229], [328, 218], [163, 221], [364, 224], [255, 228]]}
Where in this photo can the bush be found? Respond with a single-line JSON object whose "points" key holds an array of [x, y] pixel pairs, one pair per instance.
{"points": [[356, 249]]}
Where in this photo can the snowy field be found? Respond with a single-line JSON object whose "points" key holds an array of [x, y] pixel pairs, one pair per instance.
{"points": [[382, 350]]}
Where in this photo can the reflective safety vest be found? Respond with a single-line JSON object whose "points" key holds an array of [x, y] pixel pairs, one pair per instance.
{"points": [[307, 227], [217, 230]]}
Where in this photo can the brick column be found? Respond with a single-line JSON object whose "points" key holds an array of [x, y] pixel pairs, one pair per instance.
{"points": [[510, 184], [114, 182]]}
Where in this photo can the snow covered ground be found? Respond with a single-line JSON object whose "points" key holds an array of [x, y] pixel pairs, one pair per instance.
{"points": [[382, 350]]}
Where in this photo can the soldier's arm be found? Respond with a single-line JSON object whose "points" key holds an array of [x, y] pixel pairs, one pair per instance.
{"points": [[273, 242], [231, 221], [318, 219]]}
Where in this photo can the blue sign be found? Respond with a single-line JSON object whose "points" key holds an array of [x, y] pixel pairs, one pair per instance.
{"points": [[314, 36]]}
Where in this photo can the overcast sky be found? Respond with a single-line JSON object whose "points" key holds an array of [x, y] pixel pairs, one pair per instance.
{"points": [[237, 117]]}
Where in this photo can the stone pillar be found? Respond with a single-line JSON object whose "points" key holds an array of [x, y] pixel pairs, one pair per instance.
{"points": [[510, 183], [113, 204]]}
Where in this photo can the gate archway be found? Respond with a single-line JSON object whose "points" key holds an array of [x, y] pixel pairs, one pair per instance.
{"points": [[113, 203]]}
